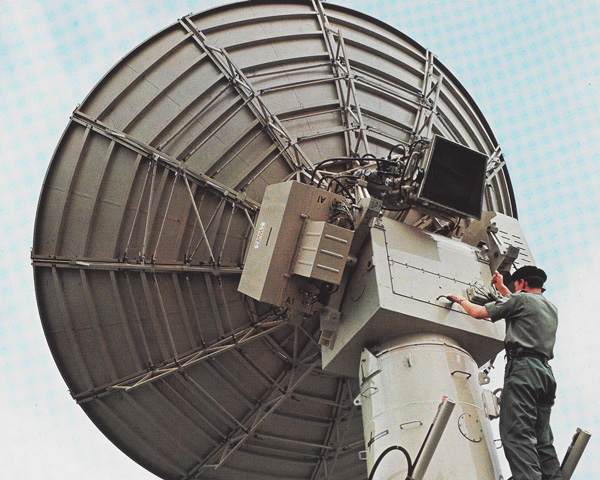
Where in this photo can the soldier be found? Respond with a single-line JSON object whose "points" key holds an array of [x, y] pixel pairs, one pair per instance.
{"points": [[529, 384]]}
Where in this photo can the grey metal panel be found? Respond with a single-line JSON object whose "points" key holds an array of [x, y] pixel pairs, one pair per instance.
{"points": [[128, 83], [148, 206]]}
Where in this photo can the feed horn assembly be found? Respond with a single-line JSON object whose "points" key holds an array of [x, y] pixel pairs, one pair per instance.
{"points": [[243, 245]]}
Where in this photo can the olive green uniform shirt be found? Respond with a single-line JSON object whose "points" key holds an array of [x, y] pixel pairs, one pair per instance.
{"points": [[531, 321]]}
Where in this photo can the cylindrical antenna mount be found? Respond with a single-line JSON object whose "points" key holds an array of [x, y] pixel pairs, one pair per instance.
{"points": [[574, 453]]}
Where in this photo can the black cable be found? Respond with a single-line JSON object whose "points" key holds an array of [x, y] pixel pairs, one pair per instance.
{"points": [[411, 150], [388, 450], [260, 315], [386, 160], [321, 180], [396, 146], [331, 160], [417, 142], [346, 192], [332, 177], [352, 177]]}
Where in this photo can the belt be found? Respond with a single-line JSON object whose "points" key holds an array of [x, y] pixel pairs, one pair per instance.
{"points": [[520, 353]]}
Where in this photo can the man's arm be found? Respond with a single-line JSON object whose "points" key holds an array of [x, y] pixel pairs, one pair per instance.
{"points": [[474, 310], [480, 311], [498, 282]]}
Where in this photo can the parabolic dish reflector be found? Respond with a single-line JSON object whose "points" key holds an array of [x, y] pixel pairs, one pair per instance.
{"points": [[149, 205]]}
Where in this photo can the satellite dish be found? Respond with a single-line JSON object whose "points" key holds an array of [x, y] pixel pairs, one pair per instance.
{"points": [[150, 203]]}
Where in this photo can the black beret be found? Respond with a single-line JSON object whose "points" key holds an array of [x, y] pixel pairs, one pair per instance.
{"points": [[529, 271]]}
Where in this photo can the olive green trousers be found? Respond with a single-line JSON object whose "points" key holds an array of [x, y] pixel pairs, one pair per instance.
{"points": [[527, 398]]}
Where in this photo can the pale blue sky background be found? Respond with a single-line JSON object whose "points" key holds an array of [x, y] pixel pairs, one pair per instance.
{"points": [[532, 67]]}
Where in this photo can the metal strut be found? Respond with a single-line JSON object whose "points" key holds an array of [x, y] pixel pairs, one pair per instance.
{"points": [[251, 97], [424, 122], [241, 337], [276, 393], [262, 412], [346, 85], [338, 418], [495, 164], [165, 160]]}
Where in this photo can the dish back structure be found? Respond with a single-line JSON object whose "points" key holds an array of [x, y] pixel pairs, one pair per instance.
{"points": [[148, 207]]}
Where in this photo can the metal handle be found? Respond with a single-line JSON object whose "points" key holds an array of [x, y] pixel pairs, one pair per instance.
{"points": [[402, 425], [367, 392], [463, 372]]}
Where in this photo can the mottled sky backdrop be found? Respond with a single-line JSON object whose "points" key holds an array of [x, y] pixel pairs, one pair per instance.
{"points": [[532, 68]]}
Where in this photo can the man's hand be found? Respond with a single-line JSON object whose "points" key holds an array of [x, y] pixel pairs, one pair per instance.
{"points": [[455, 298], [498, 282], [475, 311]]}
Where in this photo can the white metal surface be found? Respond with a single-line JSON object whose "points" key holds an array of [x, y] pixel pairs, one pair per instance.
{"points": [[151, 200], [400, 391], [505, 232], [399, 287]]}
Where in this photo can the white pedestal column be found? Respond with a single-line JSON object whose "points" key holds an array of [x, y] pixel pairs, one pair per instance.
{"points": [[402, 386]]}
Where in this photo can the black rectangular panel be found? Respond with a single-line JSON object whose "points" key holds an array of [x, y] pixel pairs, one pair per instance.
{"points": [[454, 178]]}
